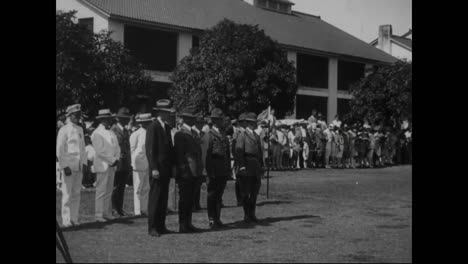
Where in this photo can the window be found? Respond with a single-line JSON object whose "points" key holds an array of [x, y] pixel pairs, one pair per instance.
{"points": [[87, 22], [343, 107], [262, 3], [312, 71], [273, 5], [154, 48], [349, 73], [305, 104], [283, 7], [195, 41]]}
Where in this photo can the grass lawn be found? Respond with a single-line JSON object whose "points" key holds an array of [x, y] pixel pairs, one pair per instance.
{"points": [[324, 215]]}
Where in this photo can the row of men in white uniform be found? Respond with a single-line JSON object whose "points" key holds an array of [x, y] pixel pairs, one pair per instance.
{"points": [[72, 162]]}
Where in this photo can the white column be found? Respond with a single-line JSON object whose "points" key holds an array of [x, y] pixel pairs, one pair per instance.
{"points": [[184, 44], [332, 89], [117, 29], [292, 57]]}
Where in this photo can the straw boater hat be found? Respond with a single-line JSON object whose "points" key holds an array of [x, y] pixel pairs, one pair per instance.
{"points": [[123, 112], [164, 105], [73, 109], [146, 117], [104, 113], [188, 111]]}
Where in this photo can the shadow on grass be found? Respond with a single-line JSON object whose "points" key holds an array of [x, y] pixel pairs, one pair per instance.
{"points": [[273, 202], [99, 225], [262, 222]]}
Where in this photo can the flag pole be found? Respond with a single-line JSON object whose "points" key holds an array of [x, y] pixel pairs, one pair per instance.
{"points": [[268, 153]]}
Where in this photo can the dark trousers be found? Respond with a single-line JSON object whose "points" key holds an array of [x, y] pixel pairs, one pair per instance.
{"points": [[186, 194], [157, 202], [196, 194], [238, 191], [216, 187], [250, 186], [119, 190]]}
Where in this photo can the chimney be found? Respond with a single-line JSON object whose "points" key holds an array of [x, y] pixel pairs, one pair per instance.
{"points": [[385, 35]]}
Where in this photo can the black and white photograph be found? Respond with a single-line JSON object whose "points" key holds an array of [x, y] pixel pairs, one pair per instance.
{"points": [[234, 131]]}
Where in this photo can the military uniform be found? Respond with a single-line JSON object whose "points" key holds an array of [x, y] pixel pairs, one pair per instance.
{"points": [[236, 134], [218, 168], [249, 158]]}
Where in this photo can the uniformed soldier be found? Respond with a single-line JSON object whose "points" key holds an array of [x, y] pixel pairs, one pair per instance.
{"points": [[249, 159], [218, 167], [188, 167], [72, 162], [242, 125]]}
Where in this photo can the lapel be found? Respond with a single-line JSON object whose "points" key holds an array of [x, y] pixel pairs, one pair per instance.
{"points": [[215, 133], [251, 135]]}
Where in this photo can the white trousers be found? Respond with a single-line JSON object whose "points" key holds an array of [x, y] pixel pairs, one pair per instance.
{"points": [[104, 187], [71, 194], [172, 202], [141, 188]]}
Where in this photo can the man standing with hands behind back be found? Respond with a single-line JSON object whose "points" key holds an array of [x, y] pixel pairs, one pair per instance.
{"points": [[160, 154], [72, 160], [107, 157]]}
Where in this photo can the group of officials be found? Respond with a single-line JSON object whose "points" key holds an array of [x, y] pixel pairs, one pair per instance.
{"points": [[194, 154]]}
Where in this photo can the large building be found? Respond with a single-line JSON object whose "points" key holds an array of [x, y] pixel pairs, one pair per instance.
{"points": [[397, 46], [161, 32]]}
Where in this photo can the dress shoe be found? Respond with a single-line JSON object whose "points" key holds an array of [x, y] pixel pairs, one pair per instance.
{"points": [[109, 217], [214, 225], [164, 230], [154, 233], [75, 223], [247, 220], [101, 220], [218, 223], [193, 228], [254, 219], [183, 229]]}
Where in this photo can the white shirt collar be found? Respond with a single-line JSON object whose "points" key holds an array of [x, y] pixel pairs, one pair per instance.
{"points": [[250, 130], [186, 127], [162, 122], [120, 126], [194, 128], [215, 129]]}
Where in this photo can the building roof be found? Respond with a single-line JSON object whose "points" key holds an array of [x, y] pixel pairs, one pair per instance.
{"points": [[403, 41], [295, 30]]}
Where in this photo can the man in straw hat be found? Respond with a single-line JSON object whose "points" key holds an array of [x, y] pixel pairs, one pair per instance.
{"points": [[106, 159], [140, 164], [188, 166], [249, 160], [72, 161], [160, 154], [123, 171], [218, 167]]}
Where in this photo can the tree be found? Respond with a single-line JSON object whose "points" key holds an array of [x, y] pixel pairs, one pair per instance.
{"points": [[236, 68], [384, 96], [93, 69]]}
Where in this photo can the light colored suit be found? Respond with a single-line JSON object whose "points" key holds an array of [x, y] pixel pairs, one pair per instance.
{"points": [[141, 185], [107, 150], [71, 153]]}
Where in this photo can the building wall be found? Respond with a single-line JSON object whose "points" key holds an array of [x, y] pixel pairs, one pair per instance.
{"points": [[83, 11], [400, 52]]}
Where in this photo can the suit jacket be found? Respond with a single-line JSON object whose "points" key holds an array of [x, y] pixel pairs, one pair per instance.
{"points": [[123, 136], [249, 153], [159, 148], [188, 154], [218, 160], [71, 147], [138, 149], [107, 148]]}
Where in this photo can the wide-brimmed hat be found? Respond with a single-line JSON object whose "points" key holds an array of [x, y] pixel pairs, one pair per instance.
{"points": [[252, 117], [242, 117], [73, 109], [164, 105], [189, 111], [144, 117], [217, 113], [123, 112], [104, 113]]}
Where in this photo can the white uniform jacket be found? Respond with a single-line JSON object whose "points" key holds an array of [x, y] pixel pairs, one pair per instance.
{"points": [[138, 150], [71, 147], [107, 148]]}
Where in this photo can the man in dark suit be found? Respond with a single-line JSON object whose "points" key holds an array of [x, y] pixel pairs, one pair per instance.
{"points": [[160, 154], [239, 130], [124, 170], [218, 167], [188, 167], [249, 159], [199, 136]]}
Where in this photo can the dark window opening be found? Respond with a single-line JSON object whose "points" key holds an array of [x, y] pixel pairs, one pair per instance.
{"points": [[305, 104], [87, 22], [283, 7], [343, 107], [349, 73], [312, 71], [195, 42], [156, 49]]}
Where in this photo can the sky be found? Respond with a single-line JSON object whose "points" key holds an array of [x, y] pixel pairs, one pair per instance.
{"points": [[361, 18]]}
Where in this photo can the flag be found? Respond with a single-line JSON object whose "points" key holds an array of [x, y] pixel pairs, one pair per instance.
{"points": [[264, 116]]}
